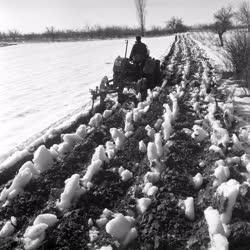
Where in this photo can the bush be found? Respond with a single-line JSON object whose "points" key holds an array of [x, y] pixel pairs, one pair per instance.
{"points": [[238, 52]]}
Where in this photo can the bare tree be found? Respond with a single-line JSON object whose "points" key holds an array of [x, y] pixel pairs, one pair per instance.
{"points": [[51, 32], [243, 14], [141, 14], [13, 34], [223, 21], [175, 24], [237, 52]]}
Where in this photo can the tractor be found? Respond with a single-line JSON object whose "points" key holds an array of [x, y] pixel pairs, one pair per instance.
{"points": [[127, 74]]}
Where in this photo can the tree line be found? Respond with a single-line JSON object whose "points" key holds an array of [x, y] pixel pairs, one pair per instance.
{"points": [[223, 22], [96, 32]]}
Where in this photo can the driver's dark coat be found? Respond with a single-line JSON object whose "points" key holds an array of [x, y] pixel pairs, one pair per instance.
{"points": [[139, 51]]}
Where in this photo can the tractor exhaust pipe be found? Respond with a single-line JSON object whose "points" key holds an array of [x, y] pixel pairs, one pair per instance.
{"points": [[126, 41]]}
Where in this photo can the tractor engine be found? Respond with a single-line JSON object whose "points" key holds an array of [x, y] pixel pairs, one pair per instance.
{"points": [[129, 75], [124, 71]]}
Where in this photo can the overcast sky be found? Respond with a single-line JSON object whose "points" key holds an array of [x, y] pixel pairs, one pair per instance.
{"points": [[35, 15]]}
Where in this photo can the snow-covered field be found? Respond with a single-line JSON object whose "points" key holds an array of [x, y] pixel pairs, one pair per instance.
{"points": [[43, 83], [209, 42]]}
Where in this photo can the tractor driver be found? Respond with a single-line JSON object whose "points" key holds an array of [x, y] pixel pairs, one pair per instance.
{"points": [[139, 53]]}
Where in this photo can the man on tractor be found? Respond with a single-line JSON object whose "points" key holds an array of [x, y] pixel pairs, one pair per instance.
{"points": [[139, 53], [143, 74]]}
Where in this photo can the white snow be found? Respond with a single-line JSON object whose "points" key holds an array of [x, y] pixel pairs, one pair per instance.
{"points": [[29, 165], [93, 234], [72, 139], [142, 147], [150, 131], [64, 148], [219, 242], [100, 154], [167, 129], [126, 175], [149, 189], [219, 136], [152, 177], [96, 120], [230, 190], [121, 228], [49, 219], [152, 152], [248, 167], [199, 133], [152, 191], [71, 192], [101, 222], [233, 160], [106, 212], [15, 157], [143, 204], [110, 149], [118, 227], [105, 248], [131, 235], [158, 124], [216, 149], [245, 159], [208, 42], [8, 228], [175, 107], [18, 183], [35, 234], [128, 127], [221, 173], [42, 159], [118, 137], [214, 223], [82, 130], [197, 180], [107, 113], [237, 145], [92, 169], [244, 134], [158, 144], [189, 208], [202, 164], [34, 231]]}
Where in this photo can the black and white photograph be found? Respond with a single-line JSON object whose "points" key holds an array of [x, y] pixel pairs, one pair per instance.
{"points": [[125, 124]]}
